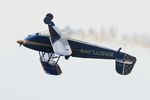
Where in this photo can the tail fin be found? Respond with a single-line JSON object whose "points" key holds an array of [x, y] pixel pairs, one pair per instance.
{"points": [[125, 65]]}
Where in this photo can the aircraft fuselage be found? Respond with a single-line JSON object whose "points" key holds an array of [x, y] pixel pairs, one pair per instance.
{"points": [[79, 49]]}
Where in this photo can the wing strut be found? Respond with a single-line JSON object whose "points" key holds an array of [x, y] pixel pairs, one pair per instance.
{"points": [[49, 62]]}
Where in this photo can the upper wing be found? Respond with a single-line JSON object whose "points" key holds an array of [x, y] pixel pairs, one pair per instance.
{"points": [[59, 45]]}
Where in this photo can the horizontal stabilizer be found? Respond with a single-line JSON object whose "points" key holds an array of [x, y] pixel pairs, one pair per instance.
{"points": [[124, 66], [51, 68]]}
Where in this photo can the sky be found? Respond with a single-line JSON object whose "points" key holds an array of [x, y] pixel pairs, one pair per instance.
{"points": [[22, 77]]}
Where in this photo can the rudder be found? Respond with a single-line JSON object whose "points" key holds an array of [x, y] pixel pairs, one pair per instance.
{"points": [[124, 66]]}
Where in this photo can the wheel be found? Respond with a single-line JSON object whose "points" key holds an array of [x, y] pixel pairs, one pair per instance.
{"points": [[47, 20], [49, 15]]}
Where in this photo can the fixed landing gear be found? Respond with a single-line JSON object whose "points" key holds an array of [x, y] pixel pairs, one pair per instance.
{"points": [[49, 63]]}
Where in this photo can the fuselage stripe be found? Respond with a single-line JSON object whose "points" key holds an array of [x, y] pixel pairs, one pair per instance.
{"points": [[35, 43]]}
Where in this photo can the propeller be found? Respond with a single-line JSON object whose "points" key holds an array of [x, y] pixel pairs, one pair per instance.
{"points": [[20, 42]]}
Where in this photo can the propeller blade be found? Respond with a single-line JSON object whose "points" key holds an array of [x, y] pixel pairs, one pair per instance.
{"points": [[20, 42]]}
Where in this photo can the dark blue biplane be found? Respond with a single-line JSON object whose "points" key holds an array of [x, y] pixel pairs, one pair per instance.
{"points": [[52, 46]]}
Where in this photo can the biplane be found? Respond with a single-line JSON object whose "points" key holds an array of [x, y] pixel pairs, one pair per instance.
{"points": [[53, 46]]}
